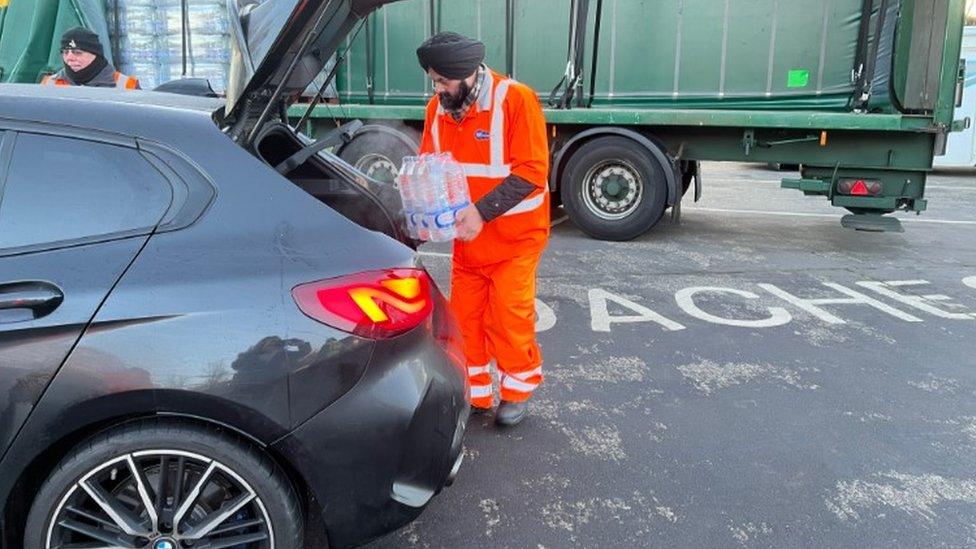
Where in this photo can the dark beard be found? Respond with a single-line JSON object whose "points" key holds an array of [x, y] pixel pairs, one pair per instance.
{"points": [[454, 103]]}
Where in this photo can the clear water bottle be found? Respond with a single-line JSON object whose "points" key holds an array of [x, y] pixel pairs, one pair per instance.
{"points": [[457, 185], [140, 48], [423, 198], [441, 214], [138, 20], [429, 176], [406, 186]]}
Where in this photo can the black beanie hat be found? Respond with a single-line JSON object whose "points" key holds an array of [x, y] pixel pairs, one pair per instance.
{"points": [[451, 55], [82, 39]]}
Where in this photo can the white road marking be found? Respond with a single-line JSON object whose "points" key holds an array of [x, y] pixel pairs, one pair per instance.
{"points": [[686, 300], [600, 319], [435, 254], [918, 302], [950, 187], [560, 220], [777, 182], [706, 180], [545, 317], [823, 215], [854, 298]]}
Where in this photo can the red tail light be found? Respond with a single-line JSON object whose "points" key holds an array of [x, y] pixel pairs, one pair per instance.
{"points": [[375, 305], [860, 187]]}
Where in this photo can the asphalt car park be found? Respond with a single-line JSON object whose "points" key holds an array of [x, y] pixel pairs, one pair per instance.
{"points": [[754, 376]]}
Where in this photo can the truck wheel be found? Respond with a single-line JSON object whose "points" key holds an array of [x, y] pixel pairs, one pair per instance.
{"points": [[165, 484], [613, 189], [378, 151]]}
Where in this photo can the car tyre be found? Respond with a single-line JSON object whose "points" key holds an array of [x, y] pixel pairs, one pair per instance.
{"points": [[105, 464]]}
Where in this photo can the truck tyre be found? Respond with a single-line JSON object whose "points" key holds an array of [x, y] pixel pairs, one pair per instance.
{"points": [[378, 151], [614, 189], [165, 483]]}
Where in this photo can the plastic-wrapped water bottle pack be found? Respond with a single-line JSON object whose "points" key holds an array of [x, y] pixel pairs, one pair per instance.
{"points": [[433, 189], [150, 39]]}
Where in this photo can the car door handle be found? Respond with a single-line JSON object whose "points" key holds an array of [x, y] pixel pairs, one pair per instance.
{"points": [[40, 298]]}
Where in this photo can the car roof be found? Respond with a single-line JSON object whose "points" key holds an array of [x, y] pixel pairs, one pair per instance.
{"points": [[137, 113]]}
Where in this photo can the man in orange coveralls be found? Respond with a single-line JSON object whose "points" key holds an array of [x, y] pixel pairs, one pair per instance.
{"points": [[494, 127]]}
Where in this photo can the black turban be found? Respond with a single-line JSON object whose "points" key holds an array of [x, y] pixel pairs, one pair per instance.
{"points": [[451, 55]]}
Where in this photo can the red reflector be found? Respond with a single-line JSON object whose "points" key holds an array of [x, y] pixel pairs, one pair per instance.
{"points": [[859, 188], [375, 305]]}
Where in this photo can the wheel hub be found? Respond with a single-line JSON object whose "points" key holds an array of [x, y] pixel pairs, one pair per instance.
{"points": [[613, 190], [165, 543], [378, 167]]}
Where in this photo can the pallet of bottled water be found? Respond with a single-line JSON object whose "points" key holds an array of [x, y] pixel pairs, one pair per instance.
{"points": [[433, 189], [150, 38]]}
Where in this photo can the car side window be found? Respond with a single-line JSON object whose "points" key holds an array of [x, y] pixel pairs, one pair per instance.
{"points": [[61, 189]]}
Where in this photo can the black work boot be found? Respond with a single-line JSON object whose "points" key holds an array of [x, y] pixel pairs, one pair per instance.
{"points": [[477, 411], [510, 413]]}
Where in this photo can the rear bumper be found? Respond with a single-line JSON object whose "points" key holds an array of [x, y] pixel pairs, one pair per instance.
{"points": [[375, 457]]}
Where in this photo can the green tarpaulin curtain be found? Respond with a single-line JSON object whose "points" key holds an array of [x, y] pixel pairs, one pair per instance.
{"points": [[30, 34]]}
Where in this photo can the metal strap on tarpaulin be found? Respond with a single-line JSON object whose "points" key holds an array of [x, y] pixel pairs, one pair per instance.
{"points": [[861, 53], [370, 61], [579, 48], [509, 37], [596, 50], [867, 53], [885, 58], [116, 20], [575, 53], [771, 58], [184, 35]]}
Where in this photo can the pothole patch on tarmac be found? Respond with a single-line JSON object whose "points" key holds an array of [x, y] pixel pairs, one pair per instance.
{"points": [[915, 495], [709, 377], [935, 384], [572, 516]]}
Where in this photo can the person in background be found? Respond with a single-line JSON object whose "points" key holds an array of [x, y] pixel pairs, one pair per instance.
{"points": [[85, 64]]}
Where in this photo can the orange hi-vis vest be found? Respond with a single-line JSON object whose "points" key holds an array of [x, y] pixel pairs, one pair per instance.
{"points": [[503, 133], [122, 82]]}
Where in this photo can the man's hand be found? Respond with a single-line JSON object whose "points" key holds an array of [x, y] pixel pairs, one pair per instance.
{"points": [[469, 223]]}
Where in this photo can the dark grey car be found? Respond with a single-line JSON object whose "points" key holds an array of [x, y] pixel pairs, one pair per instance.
{"points": [[209, 331]]}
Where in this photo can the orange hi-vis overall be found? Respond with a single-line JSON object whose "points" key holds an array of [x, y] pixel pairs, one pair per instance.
{"points": [[493, 276], [122, 81]]}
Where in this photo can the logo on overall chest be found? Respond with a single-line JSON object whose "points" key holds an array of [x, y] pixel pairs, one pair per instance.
{"points": [[482, 135]]}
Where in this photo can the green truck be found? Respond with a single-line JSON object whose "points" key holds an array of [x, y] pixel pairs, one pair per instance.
{"points": [[859, 93]]}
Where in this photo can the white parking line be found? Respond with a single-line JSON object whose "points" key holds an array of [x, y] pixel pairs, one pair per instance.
{"points": [[777, 182], [825, 215], [560, 220], [706, 180]]}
